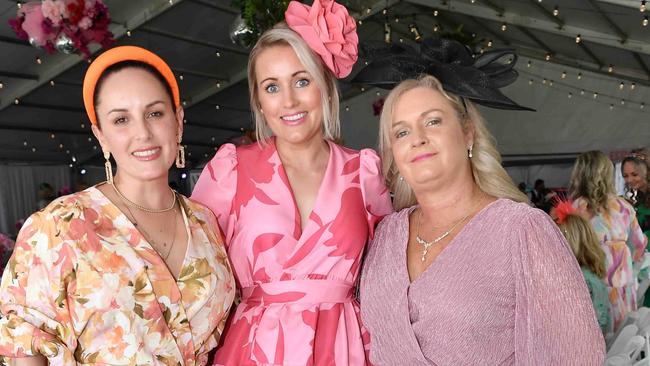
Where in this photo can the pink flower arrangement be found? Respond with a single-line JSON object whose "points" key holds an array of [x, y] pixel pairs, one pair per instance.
{"points": [[64, 25], [329, 31]]}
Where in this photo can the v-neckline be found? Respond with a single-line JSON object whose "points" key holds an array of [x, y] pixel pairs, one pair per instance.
{"points": [[287, 183], [451, 243], [131, 226]]}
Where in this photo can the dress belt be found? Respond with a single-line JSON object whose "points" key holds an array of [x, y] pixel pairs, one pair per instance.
{"points": [[298, 291]]}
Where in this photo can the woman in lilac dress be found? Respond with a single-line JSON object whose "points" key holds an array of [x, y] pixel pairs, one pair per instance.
{"points": [[477, 276]]}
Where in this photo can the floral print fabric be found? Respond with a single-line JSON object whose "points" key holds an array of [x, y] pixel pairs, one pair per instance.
{"points": [[297, 306], [83, 286], [624, 245]]}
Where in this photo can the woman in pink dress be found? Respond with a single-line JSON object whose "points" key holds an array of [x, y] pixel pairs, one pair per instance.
{"points": [[296, 208], [477, 276]]}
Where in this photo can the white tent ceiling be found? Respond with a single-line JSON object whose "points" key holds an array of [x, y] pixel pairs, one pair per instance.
{"points": [[193, 36]]}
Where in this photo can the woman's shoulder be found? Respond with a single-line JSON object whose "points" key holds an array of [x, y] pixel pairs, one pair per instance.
{"points": [[506, 208], [394, 222], [89, 198]]}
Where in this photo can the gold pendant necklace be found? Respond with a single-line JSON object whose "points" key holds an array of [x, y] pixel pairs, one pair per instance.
{"points": [[142, 208]]}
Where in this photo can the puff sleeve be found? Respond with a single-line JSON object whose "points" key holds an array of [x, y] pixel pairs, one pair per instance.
{"points": [[217, 185], [555, 323], [34, 294], [376, 196]]}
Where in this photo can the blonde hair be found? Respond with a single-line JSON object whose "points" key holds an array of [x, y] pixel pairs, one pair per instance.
{"points": [[325, 80], [487, 171], [592, 179], [584, 243]]}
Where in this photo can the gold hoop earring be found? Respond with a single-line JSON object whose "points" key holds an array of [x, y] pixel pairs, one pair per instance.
{"points": [[180, 157], [108, 168]]}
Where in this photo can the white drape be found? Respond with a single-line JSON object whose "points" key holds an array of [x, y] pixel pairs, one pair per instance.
{"points": [[18, 190]]}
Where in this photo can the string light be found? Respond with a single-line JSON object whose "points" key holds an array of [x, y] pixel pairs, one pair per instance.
{"points": [[610, 69], [622, 101], [19, 5], [51, 82], [582, 92], [550, 83], [570, 95], [347, 108], [128, 33], [436, 27], [16, 101], [642, 105], [38, 60], [33, 149], [384, 12], [180, 77], [579, 75], [489, 44], [368, 10], [621, 86], [642, 7], [2, 85], [416, 32], [60, 146], [387, 33], [360, 22], [578, 38], [25, 143], [595, 95], [218, 84], [52, 136], [529, 64], [530, 82], [218, 54], [504, 26], [435, 13], [544, 81], [563, 74], [396, 19], [217, 107], [90, 139], [632, 86], [611, 107], [556, 11], [645, 21], [83, 125], [547, 57]]}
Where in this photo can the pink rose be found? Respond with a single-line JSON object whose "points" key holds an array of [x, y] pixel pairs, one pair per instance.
{"points": [[54, 10], [329, 31], [85, 23]]}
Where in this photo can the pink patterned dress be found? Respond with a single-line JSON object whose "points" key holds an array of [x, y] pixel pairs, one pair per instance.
{"points": [[297, 287], [624, 244]]}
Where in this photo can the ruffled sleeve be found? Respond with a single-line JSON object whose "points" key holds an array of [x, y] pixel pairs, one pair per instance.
{"points": [[376, 196], [217, 185], [33, 295], [555, 322]]}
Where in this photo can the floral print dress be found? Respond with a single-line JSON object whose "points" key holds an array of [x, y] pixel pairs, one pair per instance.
{"points": [[297, 285], [83, 286], [624, 245]]}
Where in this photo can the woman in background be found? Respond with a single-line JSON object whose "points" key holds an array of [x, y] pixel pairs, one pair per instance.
{"points": [[591, 258], [614, 222]]}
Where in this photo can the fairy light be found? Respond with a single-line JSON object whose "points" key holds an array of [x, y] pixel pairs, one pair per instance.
{"points": [[83, 125], [436, 27], [218, 84], [128, 33], [570, 95], [25, 143], [579, 75], [489, 44], [2, 85], [33, 149], [52, 136], [504, 27], [60, 146], [642, 7], [556, 11], [396, 19], [90, 139], [610, 69], [435, 13], [347, 108], [416, 32], [51, 82], [645, 21], [16, 101], [217, 107], [547, 57], [563, 74], [621, 86], [582, 92], [530, 82], [550, 83], [38, 60], [595, 95], [218, 54], [632, 86], [360, 22], [642, 105], [578, 38], [180, 77], [529, 64], [622, 101], [544, 81], [611, 107]]}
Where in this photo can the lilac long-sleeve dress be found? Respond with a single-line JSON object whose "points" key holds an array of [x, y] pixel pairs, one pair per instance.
{"points": [[506, 291]]}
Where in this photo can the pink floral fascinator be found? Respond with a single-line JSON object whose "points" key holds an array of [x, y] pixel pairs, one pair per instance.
{"points": [[329, 31]]}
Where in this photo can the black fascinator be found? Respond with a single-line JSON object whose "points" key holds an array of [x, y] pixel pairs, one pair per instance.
{"points": [[475, 78]]}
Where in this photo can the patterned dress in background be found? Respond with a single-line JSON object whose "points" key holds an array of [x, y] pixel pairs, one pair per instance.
{"points": [[624, 245], [83, 286], [297, 286]]}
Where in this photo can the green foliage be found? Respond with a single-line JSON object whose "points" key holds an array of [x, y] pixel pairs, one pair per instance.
{"points": [[261, 15]]}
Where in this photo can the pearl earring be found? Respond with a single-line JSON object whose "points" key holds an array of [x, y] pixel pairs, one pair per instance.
{"points": [[470, 151]]}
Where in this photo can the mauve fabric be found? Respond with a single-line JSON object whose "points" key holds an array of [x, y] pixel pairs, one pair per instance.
{"points": [[506, 291]]}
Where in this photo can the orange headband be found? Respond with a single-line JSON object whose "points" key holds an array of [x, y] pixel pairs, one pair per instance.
{"points": [[114, 56]]}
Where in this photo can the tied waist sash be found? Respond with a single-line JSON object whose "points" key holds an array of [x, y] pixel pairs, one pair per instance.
{"points": [[298, 291]]}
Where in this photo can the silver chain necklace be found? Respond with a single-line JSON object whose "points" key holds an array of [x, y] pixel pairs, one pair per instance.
{"points": [[428, 244]]}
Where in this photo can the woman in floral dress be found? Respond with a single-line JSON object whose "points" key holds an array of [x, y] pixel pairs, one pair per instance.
{"points": [[126, 272]]}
